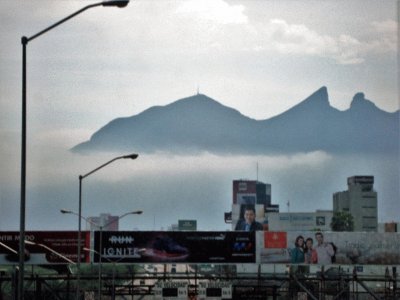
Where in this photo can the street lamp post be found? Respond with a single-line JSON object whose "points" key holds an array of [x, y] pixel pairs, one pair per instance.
{"points": [[101, 244], [25, 40], [81, 177], [65, 211]]}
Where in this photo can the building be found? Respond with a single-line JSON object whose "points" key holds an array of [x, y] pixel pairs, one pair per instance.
{"points": [[361, 201], [108, 222], [251, 192], [254, 193]]}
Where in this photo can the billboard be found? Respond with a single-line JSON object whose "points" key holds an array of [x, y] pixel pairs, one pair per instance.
{"points": [[190, 225], [44, 247], [334, 248], [175, 246], [225, 247], [238, 211], [307, 221]]}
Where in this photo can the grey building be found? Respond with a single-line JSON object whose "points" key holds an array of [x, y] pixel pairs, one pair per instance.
{"points": [[361, 201], [106, 220]]}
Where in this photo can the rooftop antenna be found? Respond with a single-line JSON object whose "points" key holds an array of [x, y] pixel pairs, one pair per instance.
{"points": [[257, 171], [198, 90]]}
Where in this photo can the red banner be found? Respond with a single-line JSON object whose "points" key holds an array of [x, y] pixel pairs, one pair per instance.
{"points": [[275, 239]]}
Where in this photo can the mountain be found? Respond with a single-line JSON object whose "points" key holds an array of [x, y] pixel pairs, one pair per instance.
{"points": [[199, 123]]}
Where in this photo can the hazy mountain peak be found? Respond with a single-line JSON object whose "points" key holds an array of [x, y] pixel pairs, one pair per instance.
{"points": [[201, 105], [316, 103], [320, 96], [200, 123], [359, 102], [323, 91], [359, 97], [195, 100], [198, 99]]}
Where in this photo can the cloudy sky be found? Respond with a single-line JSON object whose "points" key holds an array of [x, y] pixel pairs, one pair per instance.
{"points": [[259, 57]]}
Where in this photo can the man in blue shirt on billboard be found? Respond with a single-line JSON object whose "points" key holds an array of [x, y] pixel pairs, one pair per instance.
{"points": [[249, 222]]}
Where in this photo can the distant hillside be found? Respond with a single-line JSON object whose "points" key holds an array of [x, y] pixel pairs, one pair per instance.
{"points": [[199, 123]]}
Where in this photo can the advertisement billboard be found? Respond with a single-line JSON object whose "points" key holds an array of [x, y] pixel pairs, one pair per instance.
{"points": [[307, 221], [44, 247], [189, 225], [170, 246], [330, 248]]}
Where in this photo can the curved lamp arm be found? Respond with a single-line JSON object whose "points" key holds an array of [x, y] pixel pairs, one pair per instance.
{"points": [[131, 156], [117, 3]]}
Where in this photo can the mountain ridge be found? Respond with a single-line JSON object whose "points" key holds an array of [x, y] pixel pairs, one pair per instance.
{"points": [[200, 123]]}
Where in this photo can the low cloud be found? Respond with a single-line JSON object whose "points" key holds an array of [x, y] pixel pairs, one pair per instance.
{"points": [[385, 37], [345, 49], [169, 187]]}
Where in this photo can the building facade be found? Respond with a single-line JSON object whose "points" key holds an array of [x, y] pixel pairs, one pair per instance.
{"points": [[251, 193], [361, 201], [110, 221]]}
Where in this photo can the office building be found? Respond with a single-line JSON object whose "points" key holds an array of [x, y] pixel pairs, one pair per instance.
{"points": [[361, 201], [251, 193], [110, 222]]}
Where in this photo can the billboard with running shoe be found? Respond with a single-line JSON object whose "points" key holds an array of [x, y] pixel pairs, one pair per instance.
{"points": [[185, 247]]}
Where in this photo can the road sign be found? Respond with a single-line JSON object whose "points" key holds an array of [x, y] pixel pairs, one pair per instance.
{"points": [[214, 290], [167, 290]]}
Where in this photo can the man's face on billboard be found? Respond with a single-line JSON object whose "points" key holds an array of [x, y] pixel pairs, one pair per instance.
{"points": [[249, 216], [319, 238]]}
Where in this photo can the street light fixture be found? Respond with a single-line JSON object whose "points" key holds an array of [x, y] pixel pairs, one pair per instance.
{"points": [[25, 40], [81, 177], [66, 211], [118, 3]]}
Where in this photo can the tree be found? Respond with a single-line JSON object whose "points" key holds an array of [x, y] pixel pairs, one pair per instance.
{"points": [[342, 221]]}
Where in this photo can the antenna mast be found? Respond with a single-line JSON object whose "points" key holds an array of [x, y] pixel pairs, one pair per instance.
{"points": [[257, 171]]}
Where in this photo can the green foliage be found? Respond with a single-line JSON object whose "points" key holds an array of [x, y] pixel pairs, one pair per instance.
{"points": [[342, 221]]}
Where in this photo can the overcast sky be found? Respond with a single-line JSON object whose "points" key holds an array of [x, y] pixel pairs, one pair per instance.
{"points": [[259, 57]]}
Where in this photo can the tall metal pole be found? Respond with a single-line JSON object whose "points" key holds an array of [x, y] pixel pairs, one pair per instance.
{"points": [[137, 212], [78, 266], [24, 41], [101, 254], [81, 177], [65, 211]]}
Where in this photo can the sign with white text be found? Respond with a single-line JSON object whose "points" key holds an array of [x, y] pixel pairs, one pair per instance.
{"points": [[178, 246], [171, 290], [44, 247]]}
